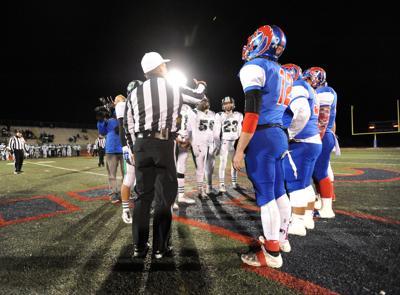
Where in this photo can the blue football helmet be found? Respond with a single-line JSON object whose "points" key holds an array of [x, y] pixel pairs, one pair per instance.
{"points": [[317, 76], [293, 70], [267, 41]]}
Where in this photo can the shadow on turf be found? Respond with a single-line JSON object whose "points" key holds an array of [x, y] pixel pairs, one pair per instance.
{"points": [[64, 254], [181, 273]]}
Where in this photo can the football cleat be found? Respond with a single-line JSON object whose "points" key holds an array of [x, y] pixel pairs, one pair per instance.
{"points": [[285, 246], [262, 257], [186, 200], [222, 188], [309, 222], [298, 229]]}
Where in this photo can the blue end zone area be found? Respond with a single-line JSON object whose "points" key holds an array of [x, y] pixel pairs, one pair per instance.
{"points": [[29, 209], [92, 194]]}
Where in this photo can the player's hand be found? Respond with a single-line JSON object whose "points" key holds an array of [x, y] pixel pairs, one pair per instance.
{"points": [[126, 216], [238, 160], [128, 156]]}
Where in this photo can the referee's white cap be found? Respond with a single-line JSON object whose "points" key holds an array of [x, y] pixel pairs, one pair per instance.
{"points": [[152, 60]]}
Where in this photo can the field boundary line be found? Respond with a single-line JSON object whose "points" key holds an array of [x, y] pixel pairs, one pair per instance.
{"points": [[283, 278]]}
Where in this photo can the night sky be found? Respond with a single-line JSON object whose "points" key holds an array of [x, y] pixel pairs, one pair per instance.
{"points": [[60, 56]]}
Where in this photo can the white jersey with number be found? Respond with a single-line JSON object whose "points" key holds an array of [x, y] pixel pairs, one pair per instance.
{"points": [[231, 124], [203, 126], [184, 131]]}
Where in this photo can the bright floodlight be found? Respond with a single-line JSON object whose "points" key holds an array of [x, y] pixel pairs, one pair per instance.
{"points": [[176, 78]]}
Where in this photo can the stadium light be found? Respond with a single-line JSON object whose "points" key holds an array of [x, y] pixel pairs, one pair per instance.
{"points": [[176, 77], [373, 127]]}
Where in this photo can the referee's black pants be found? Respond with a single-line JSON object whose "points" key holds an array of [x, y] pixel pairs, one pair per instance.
{"points": [[101, 156], [19, 159], [155, 179]]}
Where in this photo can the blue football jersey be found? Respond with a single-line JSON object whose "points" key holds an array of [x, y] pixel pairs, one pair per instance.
{"points": [[275, 85], [326, 96], [303, 89]]}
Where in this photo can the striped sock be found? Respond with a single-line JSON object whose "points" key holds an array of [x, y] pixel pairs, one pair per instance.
{"points": [[199, 187], [181, 189], [125, 204]]}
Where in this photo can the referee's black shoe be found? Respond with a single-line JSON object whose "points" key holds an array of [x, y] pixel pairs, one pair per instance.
{"points": [[140, 252], [161, 254]]}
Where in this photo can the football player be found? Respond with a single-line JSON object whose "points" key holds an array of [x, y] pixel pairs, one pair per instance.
{"points": [[327, 100], [231, 126], [183, 142], [301, 119], [121, 111], [205, 141], [266, 86]]}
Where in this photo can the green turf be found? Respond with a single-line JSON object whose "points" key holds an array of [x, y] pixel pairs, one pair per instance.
{"points": [[87, 251]]}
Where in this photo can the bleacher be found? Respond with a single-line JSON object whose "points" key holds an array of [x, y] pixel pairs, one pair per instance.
{"points": [[58, 135]]}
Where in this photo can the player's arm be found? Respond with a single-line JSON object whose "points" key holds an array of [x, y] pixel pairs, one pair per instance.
{"points": [[102, 127], [217, 128], [193, 96], [301, 114], [252, 78], [240, 122]]}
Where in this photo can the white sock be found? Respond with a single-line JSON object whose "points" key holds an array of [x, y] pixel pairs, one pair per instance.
{"points": [[270, 220], [285, 211], [326, 203]]}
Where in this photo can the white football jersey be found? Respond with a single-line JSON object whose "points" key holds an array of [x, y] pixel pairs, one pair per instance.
{"points": [[120, 109], [186, 112], [231, 125], [203, 126]]}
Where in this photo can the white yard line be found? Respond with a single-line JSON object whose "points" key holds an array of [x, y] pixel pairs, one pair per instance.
{"points": [[70, 169]]}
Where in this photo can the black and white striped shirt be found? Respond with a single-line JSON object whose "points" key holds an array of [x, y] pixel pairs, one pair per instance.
{"points": [[17, 143], [100, 142], [156, 105]]}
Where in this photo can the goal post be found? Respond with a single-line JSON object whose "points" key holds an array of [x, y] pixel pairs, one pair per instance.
{"points": [[375, 133]]}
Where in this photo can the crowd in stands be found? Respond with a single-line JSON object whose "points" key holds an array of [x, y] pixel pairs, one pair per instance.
{"points": [[46, 138], [44, 151]]}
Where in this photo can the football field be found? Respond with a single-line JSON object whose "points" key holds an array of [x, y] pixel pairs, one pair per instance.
{"points": [[59, 234]]}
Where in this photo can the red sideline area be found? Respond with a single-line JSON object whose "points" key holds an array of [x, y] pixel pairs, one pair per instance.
{"points": [[68, 209], [368, 216], [79, 197], [238, 203], [305, 287]]}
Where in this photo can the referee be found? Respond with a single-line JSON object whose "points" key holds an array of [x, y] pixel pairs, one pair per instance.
{"points": [[17, 146], [155, 106], [100, 144]]}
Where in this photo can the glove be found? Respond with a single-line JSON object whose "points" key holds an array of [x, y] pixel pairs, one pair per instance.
{"points": [[127, 155], [126, 216]]}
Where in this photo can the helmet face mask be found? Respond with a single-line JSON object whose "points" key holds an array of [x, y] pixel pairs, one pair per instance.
{"points": [[294, 70], [132, 85], [203, 105], [267, 41], [228, 104], [316, 75]]}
